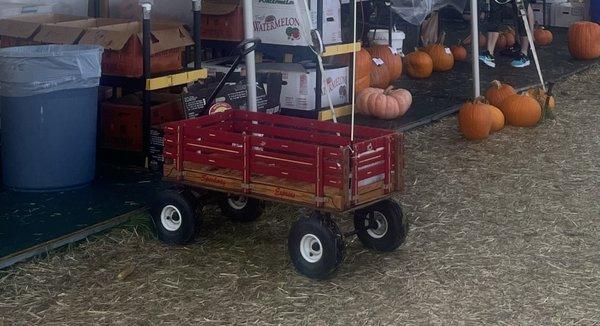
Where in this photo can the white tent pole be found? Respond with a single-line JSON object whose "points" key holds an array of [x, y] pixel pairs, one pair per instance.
{"points": [[250, 59], [475, 47]]}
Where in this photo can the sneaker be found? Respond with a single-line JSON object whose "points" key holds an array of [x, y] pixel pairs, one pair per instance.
{"points": [[520, 61], [487, 58]]}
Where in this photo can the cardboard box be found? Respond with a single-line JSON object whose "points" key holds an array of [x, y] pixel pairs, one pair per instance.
{"points": [[21, 30], [70, 32], [299, 82], [17, 8], [564, 14], [123, 47], [222, 20], [121, 120], [156, 159], [277, 22], [538, 13], [232, 96]]}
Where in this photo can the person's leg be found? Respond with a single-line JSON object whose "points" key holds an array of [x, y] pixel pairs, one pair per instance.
{"points": [[522, 60], [493, 32]]}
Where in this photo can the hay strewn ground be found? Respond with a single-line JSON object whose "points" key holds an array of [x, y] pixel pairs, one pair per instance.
{"points": [[504, 231]]}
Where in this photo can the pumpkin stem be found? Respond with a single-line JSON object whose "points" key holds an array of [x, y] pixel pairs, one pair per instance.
{"points": [[496, 83], [388, 90], [459, 42]]}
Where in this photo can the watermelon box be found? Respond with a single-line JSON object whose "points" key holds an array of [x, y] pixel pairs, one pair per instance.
{"points": [[277, 21]]}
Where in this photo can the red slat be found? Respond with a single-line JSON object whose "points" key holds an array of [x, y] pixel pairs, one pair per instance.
{"points": [[284, 146], [294, 135], [304, 162], [214, 135], [371, 171], [215, 160], [290, 174], [214, 148]]}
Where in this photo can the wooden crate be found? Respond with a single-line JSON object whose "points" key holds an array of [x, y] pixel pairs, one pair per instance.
{"points": [[286, 159]]}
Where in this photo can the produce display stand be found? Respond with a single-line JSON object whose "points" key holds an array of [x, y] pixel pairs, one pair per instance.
{"points": [[152, 82], [243, 158]]}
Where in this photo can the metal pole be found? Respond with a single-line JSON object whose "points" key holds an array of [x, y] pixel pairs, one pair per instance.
{"points": [[250, 59], [197, 6], [352, 119], [391, 23], [475, 47], [146, 28], [319, 74]]}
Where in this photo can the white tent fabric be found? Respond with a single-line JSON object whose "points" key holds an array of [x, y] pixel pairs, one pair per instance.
{"points": [[415, 11]]}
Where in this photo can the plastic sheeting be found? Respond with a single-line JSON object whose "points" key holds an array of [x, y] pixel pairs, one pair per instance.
{"points": [[33, 70], [415, 11]]}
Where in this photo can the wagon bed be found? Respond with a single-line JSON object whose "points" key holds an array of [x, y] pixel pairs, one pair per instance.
{"points": [[288, 159]]}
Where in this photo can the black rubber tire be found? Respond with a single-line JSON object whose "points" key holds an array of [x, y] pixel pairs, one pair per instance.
{"points": [[331, 239], [397, 226], [186, 204], [251, 211]]}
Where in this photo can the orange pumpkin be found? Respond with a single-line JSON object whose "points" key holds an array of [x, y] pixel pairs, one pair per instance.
{"points": [[390, 57], [459, 52], [384, 104], [419, 64], [442, 57], [475, 120], [521, 110], [363, 64], [380, 75], [540, 95], [510, 38], [542, 36], [584, 40], [501, 43], [498, 92], [362, 83], [497, 118]]}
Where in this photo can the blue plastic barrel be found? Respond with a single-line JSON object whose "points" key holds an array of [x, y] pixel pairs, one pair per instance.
{"points": [[595, 10], [48, 96]]}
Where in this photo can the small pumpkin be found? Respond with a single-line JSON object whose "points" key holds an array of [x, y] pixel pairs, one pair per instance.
{"points": [[482, 40], [521, 110], [475, 120], [459, 52], [540, 95], [497, 118], [542, 36], [418, 64], [380, 75], [390, 57], [363, 65], [362, 83], [498, 92], [501, 43], [441, 56], [510, 38], [584, 40], [384, 104]]}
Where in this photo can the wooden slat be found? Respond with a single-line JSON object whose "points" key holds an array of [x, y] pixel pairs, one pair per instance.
{"points": [[284, 146], [372, 171], [215, 160], [282, 172], [214, 135]]}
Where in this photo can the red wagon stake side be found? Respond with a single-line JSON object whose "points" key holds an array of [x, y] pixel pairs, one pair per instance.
{"points": [[254, 156]]}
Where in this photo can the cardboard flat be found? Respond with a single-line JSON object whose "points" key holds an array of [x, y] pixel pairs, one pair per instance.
{"points": [[70, 32], [17, 8], [165, 36], [27, 26]]}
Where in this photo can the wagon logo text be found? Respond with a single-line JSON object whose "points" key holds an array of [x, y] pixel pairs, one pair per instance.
{"points": [[284, 193], [212, 180]]}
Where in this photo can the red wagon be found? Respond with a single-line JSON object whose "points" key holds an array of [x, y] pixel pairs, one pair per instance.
{"points": [[252, 157]]}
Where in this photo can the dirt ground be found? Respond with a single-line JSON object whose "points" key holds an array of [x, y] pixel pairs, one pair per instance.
{"points": [[504, 231]]}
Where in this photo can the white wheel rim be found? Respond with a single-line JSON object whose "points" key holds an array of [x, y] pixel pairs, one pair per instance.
{"points": [[237, 202], [311, 248], [377, 231], [170, 218]]}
